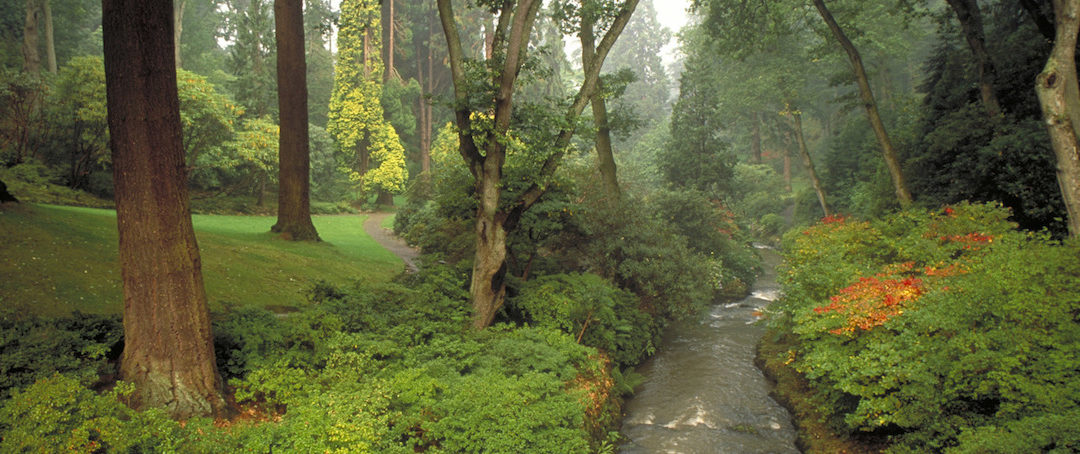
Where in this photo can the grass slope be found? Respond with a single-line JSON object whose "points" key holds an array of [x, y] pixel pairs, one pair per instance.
{"points": [[55, 260]]}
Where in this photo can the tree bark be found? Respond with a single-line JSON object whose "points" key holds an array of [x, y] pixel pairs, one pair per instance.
{"points": [[50, 43], [970, 18], [1059, 97], [168, 345], [809, 163], [604, 153], [178, 28], [869, 103], [31, 56], [755, 137], [294, 163]]}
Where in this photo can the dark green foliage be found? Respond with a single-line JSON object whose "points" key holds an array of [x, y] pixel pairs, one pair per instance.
{"points": [[711, 230], [592, 310], [983, 357], [962, 154], [32, 348], [697, 157]]}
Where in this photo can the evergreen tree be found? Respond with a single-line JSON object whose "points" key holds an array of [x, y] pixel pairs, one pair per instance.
{"points": [[372, 151]]}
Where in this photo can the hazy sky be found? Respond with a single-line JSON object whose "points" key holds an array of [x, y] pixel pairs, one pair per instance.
{"points": [[672, 14]]}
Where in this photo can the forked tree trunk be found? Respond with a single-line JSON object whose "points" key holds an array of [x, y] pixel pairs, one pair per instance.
{"points": [[510, 42], [1059, 97], [604, 153], [887, 149], [809, 163], [488, 285], [970, 18], [294, 163], [168, 345]]}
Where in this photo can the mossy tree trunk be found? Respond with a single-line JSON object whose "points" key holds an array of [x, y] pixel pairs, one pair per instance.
{"points": [[1059, 97], [809, 163], [168, 345], [604, 153]]}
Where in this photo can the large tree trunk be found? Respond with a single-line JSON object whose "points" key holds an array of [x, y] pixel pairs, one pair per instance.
{"points": [[1059, 97], [887, 150], [168, 346], [488, 286], [50, 43], [604, 153], [294, 163], [31, 56], [967, 12], [809, 163]]}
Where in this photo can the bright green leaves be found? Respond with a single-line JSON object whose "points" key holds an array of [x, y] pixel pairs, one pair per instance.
{"points": [[371, 149], [209, 120], [256, 148]]}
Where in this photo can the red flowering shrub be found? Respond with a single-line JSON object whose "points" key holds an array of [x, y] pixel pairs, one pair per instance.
{"points": [[946, 331]]}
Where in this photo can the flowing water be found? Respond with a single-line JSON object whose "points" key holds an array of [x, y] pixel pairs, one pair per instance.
{"points": [[702, 392]]}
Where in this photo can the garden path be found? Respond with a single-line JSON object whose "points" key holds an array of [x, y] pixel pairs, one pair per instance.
{"points": [[385, 237]]}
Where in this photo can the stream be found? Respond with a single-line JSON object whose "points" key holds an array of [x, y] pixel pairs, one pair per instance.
{"points": [[702, 392]]}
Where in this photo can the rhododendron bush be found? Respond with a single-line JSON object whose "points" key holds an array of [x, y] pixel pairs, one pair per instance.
{"points": [[944, 330]]}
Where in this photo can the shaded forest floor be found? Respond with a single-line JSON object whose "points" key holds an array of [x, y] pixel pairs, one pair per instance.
{"points": [[56, 260]]}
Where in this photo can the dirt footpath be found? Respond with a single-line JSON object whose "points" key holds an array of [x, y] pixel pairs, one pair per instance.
{"points": [[386, 237]]}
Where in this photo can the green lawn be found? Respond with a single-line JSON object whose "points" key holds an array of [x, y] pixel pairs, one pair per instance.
{"points": [[54, 260]]}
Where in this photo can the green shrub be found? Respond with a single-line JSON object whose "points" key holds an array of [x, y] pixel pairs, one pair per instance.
{"points": [[79, 345], [950, 330], [592, 310], [58, 414]]}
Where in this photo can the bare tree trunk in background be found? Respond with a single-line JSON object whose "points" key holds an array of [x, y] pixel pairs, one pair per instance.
{"points": [[755, 137], [787, 168], [887, 150], [178, 27], [50, 43], [1040, 17], [31, 57], [168, 345], [604, 153], [294, 157], [1059, 97], [809, 163], [967, 12]]}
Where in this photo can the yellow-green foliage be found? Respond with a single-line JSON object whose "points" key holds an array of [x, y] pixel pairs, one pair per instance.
{"points": [[356, 115], [256, 147]]}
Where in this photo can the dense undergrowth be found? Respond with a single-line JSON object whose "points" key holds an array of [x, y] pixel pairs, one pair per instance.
{"points": [[933, 331], [381, 368]]}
